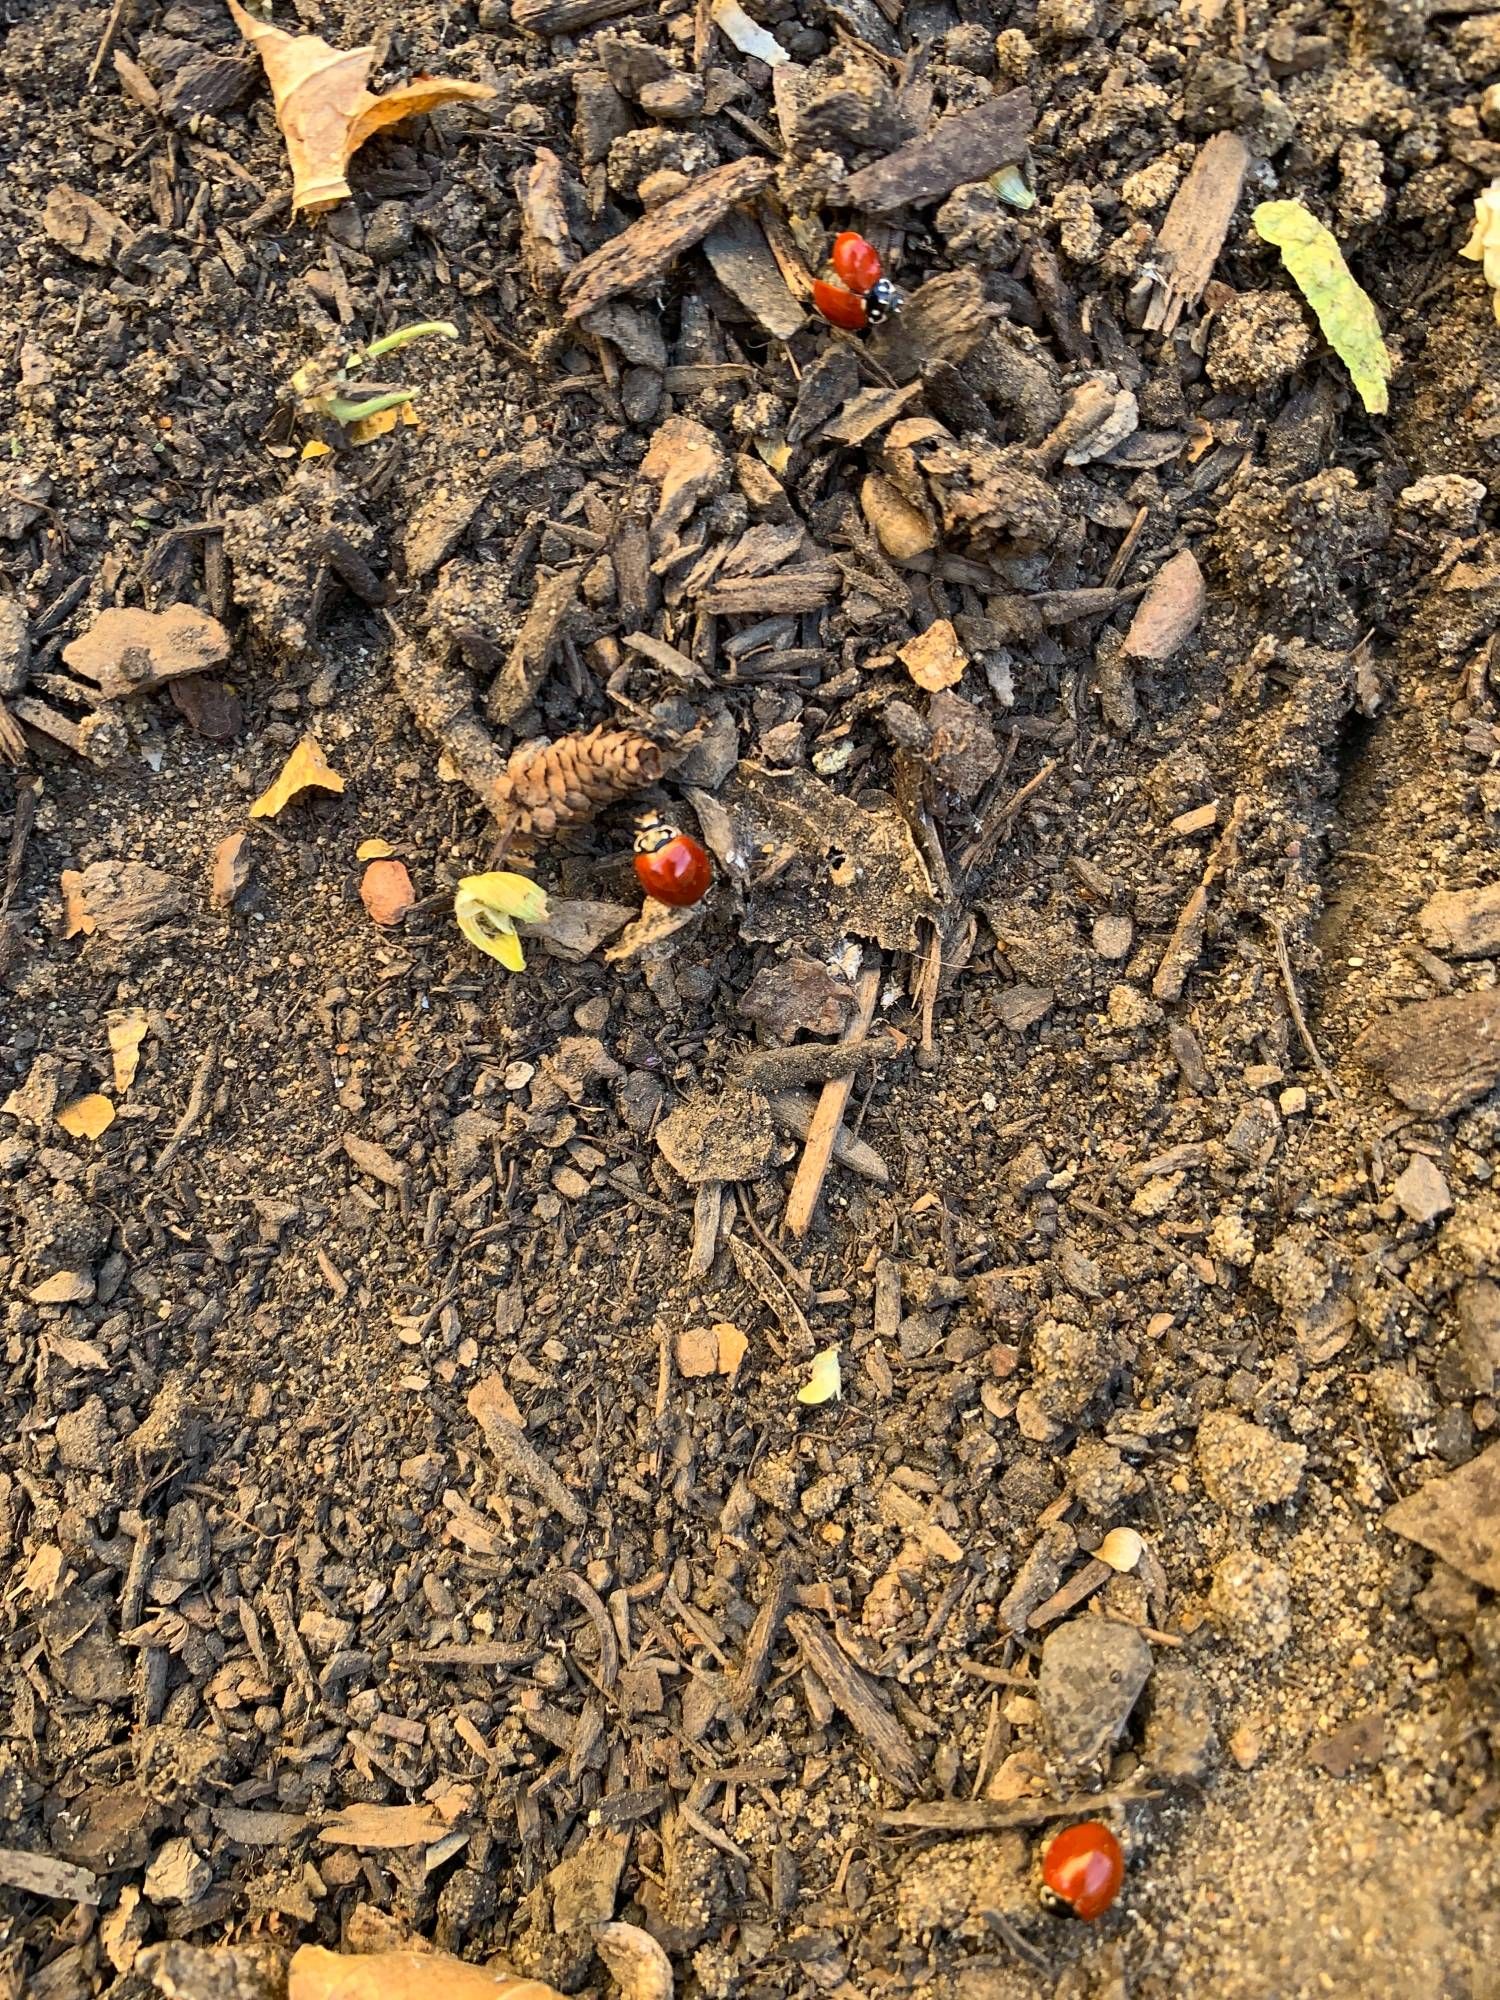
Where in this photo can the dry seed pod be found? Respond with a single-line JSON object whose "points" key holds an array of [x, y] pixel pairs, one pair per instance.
{"points": [[551, 785]]}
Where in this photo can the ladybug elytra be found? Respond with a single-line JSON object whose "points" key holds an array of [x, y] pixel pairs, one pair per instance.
{"points": [[864, 296], [1082, 1870], [670, 865]]}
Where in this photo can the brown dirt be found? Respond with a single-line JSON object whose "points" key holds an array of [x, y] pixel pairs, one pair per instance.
{"points": [[242, 1487]]}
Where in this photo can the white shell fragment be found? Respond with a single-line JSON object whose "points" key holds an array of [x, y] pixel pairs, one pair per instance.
{"points": [[1122, 1549]]}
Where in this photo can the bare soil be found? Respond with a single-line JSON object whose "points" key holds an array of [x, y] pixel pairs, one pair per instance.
{"points": [[1139, 1258]]}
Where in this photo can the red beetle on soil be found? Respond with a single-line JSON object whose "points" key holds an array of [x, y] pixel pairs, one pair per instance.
{"points": [[1082, 1869], [672, 867]]}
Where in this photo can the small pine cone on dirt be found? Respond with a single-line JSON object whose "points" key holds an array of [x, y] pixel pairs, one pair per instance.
{"points": [[552, 785]]}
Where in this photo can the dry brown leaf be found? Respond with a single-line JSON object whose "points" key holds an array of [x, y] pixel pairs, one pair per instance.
{"points": [[78, 920], [325, 112], [386, 892], [934, 659], [316, 1974], [305, 768], [126, 1033], [87, 1117]]}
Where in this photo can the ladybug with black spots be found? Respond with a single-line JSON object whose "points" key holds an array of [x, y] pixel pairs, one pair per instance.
{"points": [[863, 295]]}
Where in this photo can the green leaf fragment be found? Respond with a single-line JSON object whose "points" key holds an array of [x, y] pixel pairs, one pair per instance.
{"points": [[1344, 311], [345, 411]]}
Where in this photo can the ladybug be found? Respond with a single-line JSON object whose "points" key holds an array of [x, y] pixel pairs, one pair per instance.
{"points": [[864, 296], [672, 867], [1082, 1870], [840, 306]]}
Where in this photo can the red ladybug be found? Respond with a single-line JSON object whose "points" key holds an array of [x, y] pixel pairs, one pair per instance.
{"points": [[856, 261], [1083, 1869], [672, 866], [841, 307]]}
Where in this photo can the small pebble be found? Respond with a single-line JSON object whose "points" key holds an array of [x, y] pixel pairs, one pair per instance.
{"points": [[1092, 1674], [1251, 1603], [1421, 1190]]}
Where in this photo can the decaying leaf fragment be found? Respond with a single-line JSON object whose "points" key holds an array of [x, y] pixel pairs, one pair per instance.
{"points": [[307, 768], [1344, 311], [325, 112], [87, 1117], [935, 658], [316, 1974], [127, 1031], [1483, 246], [488, 908]]}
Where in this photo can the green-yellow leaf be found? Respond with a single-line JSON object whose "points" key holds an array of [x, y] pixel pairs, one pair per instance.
{"points": [[488, 908], [825, 1381], [1344, 311]]}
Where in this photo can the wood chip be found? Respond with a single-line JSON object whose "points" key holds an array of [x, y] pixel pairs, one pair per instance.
{"points": [[934, 659], [1462, 923], [40, 1875], [517, 1456], [566, 17], [1193, 233], [969, 146], [130, 651], [953, 1816], [363, 1825], [1437, 1056], [1168, 614], [799, 587], [1457, 1517], [741, 259], [649, 246], [854, 1694]]}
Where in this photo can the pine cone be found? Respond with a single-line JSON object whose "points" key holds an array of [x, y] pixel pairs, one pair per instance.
{"points": [[563, 783]]}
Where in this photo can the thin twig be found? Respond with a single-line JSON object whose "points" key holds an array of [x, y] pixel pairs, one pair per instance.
{"points": [[107, 41], [1299, 1019], [197, 1099], [812, 1168]]}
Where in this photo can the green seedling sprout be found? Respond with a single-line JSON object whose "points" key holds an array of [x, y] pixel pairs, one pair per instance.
{"points": [[326, 396], [1010, 185]]}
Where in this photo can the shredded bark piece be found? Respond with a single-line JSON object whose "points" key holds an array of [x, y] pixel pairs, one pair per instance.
{"points": [[660, 237], [970, 146], [1193, 233]]}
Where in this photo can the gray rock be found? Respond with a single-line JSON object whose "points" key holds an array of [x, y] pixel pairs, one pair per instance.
{"points": [[1092, 1674], [1420, 1190]]}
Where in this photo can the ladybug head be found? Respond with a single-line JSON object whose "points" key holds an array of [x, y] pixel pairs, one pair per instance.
{"points": [[883, 301], [653, 833]]}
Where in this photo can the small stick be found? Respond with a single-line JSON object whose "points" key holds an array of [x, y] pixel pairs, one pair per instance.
{"points": [[517, 1456], [1126, 550], [1299, 1019], [106, 41], [828, 1119], [197, 1098]]}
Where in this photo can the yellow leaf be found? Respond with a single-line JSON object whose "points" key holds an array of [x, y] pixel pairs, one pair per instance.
{"points": [[488, 908], [325, 112], [305, 768], [315, 448], [87, 1117], [126, 1033], [374, 850], [365, 430], [1344, 311], [825, 1381]]}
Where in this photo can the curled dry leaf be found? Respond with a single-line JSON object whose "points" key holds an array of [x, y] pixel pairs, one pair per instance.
{"points": [[126, 1033], [307, 768], [386, 892], [325, 112], [488, 908], [825, 1380], [87, 1117], [640, 1966], [316, 1974]]}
